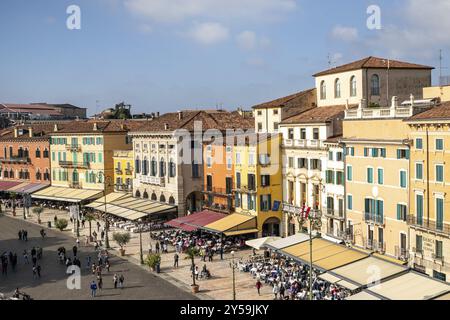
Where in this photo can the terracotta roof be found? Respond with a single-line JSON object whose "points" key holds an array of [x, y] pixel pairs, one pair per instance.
{"points": [[30, 108], [334, 139], [317, 115], [303, 99], [210, 119], [440, 112], [103, 126], [372, 63], [39, 131]]}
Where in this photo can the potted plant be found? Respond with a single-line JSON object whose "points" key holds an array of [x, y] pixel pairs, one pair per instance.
{"points": [[61, 224], [89, 218], [191, 253], [38, 211], [122, 238], [153, 261]]}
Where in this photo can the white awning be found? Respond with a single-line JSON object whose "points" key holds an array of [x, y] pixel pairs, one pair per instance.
{"points": [[259, 243], [363, 295], [287, 242]]}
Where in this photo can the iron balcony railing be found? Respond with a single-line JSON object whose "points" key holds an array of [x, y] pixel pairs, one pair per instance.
{"points": [[438, 257], [219, 191], [374, 218], [124, 188], [16, 160], [428, 225], [74, 164], [334, 214], [73, 147], [401, 253]]}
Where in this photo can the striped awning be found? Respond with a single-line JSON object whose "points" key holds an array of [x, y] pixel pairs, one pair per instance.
{"points": [[233, 225], [67, 194], [21, 187], [125, 206]]}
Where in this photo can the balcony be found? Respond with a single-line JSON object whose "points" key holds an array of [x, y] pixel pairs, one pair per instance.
{"points": [[297, 211], [156, 181], [374, 219], [334, 214], [118, 171], [304, 144], [380, 113], [74, 164], [425, 225], [218, 191], [401, 253], [246, 189], [123, 188], [129, 172], [438, 258], [218, 208], [73, 147], [21, 160]]}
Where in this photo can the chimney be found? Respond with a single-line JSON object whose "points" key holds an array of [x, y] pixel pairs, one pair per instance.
{"points": [[157, 114], [411, 97], [16, 132], [394, 103], [95, 126], [180, 115], [166, 126], [30, 132], [55, 128]]}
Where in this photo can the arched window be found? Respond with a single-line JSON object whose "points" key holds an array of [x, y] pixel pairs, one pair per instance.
{"points": [[11, 174], [337, 88], [75, 176], [138, 194], [26, 153], [162, 168], [6, 173], [154, 197], [38, 153], [353, 89], [100, 177], [375, 85], [323, 90], [47, 175], [38, 175], [172, 200], [46, 153], [145, 166], [137, 165], [154, 167], [162, 198], [172, 169], [145, 196]]}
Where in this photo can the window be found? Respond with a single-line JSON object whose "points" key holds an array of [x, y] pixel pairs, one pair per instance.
{"points": [[251, 159], [303, 134], [38, 153], [251, 182], [403, 181], [349, 202], [172, 169], [153, 167], [145, 166], [340, 178], [337, 88], [53, 156], [419, 244], [419, 209], [329, 176], [353, 87], [339, 156], [195, 171], [316, 164], [403, 154], [265, 180], [419, 143], [380, 176], [369, 175], [264, 159], [349, 173], [350, 151], [383, 152], [323, 90], [439, 144], [266, 202], [439, 173], [209, 162], [259, 113], [275, 112], [330, 155], [375, 85], [100, 157], [302, 163], [162, 169], [401, 212], [275, 125], [238, 180], [439, 251], [316, 134], [229, 163], [291, 162], [374, 152], [291, 134], [366, 152], [260, 126], [251, 202], [419, 171], [238, 158], [439, 214], [209, 183], [237, 200]]}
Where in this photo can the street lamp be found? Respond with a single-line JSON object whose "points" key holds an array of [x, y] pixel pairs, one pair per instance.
{"points": [[140, 241], [107, 183], [233, 267]]}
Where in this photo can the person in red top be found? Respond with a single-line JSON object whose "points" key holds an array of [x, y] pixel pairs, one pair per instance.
{"points": [[258, 286]]}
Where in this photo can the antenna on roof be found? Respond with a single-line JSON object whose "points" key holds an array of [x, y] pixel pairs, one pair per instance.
{"points": [[443, 80]]}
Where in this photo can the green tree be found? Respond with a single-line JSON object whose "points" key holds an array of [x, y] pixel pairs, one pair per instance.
{"points": [[191, 253], [38, 211], [89, 218], [61, 224], [121, 238]]}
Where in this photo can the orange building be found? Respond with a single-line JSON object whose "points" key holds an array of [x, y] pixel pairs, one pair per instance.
{"points": [[218, 178], [24, 157]]}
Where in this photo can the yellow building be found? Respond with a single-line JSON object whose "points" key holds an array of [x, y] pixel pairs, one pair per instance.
{"points": [[442, 92], [429, 217], [123, 170], [258, 181], [377, 171], [81, 153]]}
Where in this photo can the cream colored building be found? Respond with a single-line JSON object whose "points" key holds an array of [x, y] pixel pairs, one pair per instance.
{"points": [[429, 214], [373, 80]]}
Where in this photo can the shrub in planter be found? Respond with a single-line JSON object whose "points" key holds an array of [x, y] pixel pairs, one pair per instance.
{"points": [[191, 253], [38, 211], [122, 238], [61, 224], [153, 260]]}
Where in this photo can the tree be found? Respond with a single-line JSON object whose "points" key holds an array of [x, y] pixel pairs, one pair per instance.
{"points": [[38, 211], [89, 218], [61, 224], [153, 260], [121, 238], [191, 253]]}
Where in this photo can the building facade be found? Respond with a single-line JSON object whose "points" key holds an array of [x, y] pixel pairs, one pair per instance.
{"points": [[429, 214], [123, 170]]}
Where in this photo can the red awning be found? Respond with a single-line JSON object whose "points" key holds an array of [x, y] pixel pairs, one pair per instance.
{"points": [[196, 220], [5, 185]]}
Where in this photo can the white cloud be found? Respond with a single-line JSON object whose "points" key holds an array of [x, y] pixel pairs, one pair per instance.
{"points": [[208, 33], [346, 34], [179, 10], [247, 40]]}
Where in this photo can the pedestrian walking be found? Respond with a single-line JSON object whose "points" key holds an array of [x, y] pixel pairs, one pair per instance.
{"points": [[102, 234], [121, 281], [38, 270], [20, 235], [258, 286], [282, 291], [98, 228], [210, 255], [157, 247], [108, 266], [55, 219], [88, 262], [100, 282], [275, 290], [75, 250], [25, 257], [94, 234], [34, 272], [78, 242], [25, 235], [115, 280], [221, 252], [93, 289], [150, 248], [175, 260]]}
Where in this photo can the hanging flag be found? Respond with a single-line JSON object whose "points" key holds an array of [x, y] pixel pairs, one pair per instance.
{"points": [[306, 213]]}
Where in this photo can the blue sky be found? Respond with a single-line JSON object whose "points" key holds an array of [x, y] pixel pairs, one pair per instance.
{"points": [[166, 55]]}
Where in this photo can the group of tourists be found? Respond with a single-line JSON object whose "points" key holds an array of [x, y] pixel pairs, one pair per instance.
{"points": [[6, 259], [23, 235]]}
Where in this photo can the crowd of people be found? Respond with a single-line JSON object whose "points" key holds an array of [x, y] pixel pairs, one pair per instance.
{"points": [[289, 279]]}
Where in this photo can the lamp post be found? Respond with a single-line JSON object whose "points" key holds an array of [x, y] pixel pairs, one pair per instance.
{"points": [[233, 267], [140, 241], [106, 185]]}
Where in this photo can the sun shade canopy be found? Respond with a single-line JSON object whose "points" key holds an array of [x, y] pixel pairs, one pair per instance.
{"points": [[125, 206], [261, 242], [67, 194], [195, 221], [363, 295], [21, 187], [233, 225], [287, 242], [326, 255]]}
